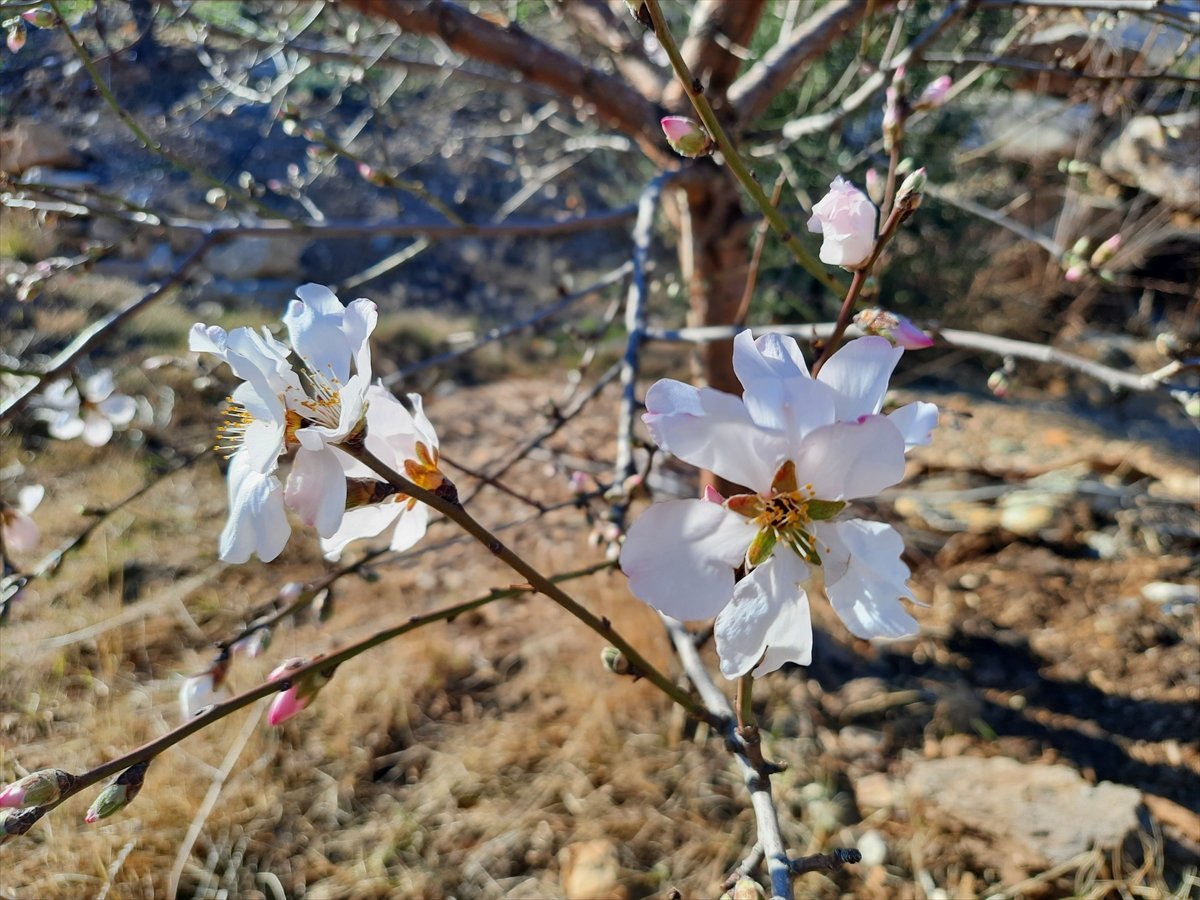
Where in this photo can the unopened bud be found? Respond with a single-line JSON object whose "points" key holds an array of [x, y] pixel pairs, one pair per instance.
{"points": [[1106, 251], [912, 190], [119, 794], [1081, 246], [1074, 272], [935, 93], [15, 822], [16, 36], [39, 18], [875, 186], [299, 695], [686, 137], [896, 328], [614, 660], [36, 788], [998, 383]]}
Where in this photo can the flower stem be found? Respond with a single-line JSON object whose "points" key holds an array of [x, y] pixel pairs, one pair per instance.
{"points": [[602, 626], [733, 159]]}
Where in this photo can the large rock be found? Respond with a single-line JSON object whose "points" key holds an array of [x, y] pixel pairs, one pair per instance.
{"points": [[1159, 155], [1034, 816], [27, 144]]}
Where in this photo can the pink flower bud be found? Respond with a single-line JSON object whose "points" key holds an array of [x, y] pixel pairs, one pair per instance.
{"points": [[999, 384], [1074, 272], [935, 93], [119, 794], [685, 136], [1106, 251], [845, 218], [912, 190], [896, 328], [36, 788], [16, 36], [297, 697], [40, 17], [875, 186]]}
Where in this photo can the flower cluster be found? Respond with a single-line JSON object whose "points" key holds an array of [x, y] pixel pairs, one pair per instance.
{"points": [[92, 410], [17, 529], [309, 411], [804, 447]]}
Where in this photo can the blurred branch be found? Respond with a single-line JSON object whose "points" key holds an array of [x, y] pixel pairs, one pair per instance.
{"points": [[1029, 65], [1172, 11], [752, 93], [603, 24], [719, 33], [512, 48]]}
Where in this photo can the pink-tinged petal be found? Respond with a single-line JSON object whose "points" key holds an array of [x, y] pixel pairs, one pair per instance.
{"points": [[767, 623], [97, 430], [680, 556], [257, 519], [29, 497], [846, 460], [865, 578], [711, 495], [20, 531], [316, 490], [916, 422], [713, 430], [118, 409], [358, 523], [845, 219], [779, 393], [65, 426], [285, 705], [859, 372]]}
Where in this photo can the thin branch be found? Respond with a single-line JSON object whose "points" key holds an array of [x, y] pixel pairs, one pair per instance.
{"points": [[512, 48], [1172, 11], [751, 94], [1029, 65]]}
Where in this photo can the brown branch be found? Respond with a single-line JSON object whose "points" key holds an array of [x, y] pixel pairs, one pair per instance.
{"points": [[718, 32], [1172, 11], [512, 48], [607, 27], [753, 92]]}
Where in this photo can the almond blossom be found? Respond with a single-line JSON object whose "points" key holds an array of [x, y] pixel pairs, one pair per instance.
{"points": [[92, 411], [845, 219], [804, 447], [406, 442], [308, 409]]}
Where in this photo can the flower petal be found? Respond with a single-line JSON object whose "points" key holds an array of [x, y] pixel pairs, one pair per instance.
{"points": [[859, 372], [767, 623], [98, 386], [29, 497], [316, 489], [314, 324], [779, 393], [257, 520], [713, 430], [865, 578], [361, 522], [411, 526], [20, 531], [680, 555], [359, 322], [97, 430], [916, 422], [118, 408], [65, 425], [846, 460]]}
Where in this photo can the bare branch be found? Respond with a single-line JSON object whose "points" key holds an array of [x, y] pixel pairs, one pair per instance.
{"points": [[717, 36], [615, 102], [750, 95], [603, 24], [1173, 11]]}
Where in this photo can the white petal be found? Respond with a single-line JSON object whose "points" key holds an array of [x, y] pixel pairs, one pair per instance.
{"points": [[316, 490], [97, 430], [207, 339], [358, 523], [846, 460], [779, 393], [257, 520], [98, 386], [411, 526], [29, 497], [859, 372], [865, 578], [118, 408], [767, 620], [314, 325], [66, 426], [359, 322], [680, 556], [916, 422], [713, 430]]}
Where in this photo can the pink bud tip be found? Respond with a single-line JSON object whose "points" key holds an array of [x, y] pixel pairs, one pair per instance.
{"points": [[685, 136], [286, 705], [909, 336], [12, 796], [1074, 273], [712, 495], [92, 817], [935, 92]]}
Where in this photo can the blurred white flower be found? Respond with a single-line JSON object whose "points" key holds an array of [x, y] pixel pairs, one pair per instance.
{"points": [[20, 532], [845, 219], [407, 443], [92, 415], [804, 447]]}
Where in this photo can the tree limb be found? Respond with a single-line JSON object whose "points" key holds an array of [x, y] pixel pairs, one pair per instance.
{"points": [[716, 34], [614, 101]]}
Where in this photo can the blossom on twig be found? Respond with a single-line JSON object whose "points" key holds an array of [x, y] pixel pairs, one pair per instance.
{"points": [[804, 447], [845, 219], [296, 697], [91, 412]]}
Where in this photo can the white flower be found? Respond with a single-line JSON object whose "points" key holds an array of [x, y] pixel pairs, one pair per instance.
{"points": [[804, 447], [196, 693], [278, 409], [19, 531], [93, 416], [405, 442], [845, 219]]}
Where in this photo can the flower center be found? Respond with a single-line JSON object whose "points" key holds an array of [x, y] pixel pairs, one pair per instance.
{"points": [[231, 434], [785, 514]]}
